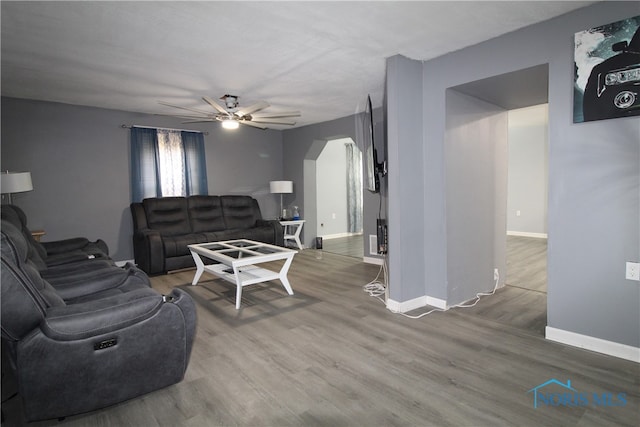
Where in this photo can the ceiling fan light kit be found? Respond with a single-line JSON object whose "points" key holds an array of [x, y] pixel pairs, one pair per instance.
{"points": [[232, 115], [230, 124]]}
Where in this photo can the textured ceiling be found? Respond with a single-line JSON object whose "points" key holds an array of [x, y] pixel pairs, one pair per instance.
{"points": [[321, 58]]}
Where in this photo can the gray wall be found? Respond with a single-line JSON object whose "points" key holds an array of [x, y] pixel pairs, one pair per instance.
{"points": [[406, 206], [528, 170], [594, 180], [79, 160], [476, 195]]}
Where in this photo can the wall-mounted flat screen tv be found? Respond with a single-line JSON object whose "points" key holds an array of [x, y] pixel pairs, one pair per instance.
{"points": [[370, 155]]}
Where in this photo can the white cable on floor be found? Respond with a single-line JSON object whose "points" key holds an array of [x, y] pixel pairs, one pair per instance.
{"points": [[376, 288]]}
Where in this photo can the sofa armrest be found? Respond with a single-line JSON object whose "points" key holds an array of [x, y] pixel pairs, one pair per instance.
{"points": [[139, 216], [278, 229], [148, 250]]}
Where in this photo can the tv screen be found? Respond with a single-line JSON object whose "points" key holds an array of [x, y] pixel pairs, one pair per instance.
{"points": [[372, 178]]}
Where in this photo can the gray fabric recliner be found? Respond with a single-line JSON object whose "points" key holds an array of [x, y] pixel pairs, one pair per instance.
{"points": [[85, 269], [59, 252], [99, 348]]}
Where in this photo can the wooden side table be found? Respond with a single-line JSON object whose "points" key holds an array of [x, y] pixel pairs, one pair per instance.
{"points": [[292, 229], [37, 234]]}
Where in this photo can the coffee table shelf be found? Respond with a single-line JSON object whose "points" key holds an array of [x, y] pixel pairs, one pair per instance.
{"points": [[248, 275]]}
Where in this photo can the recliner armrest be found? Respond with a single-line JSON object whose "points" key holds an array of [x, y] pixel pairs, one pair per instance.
{"points": [[84, 320], [278, 229], [71, 257], [123, 362], [148, 251], [98, 248], [66, 245]]}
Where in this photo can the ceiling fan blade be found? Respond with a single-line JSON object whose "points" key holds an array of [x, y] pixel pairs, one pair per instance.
{"points": [[188, 116], [261, 105], [273, 121], [215, 105], [275, 115], [255, 125], [195, 110], [201, 121]]}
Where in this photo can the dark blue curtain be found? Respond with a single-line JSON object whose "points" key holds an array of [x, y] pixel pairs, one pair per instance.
{"points": [[145, 173], [145, 178], [195, 165]]}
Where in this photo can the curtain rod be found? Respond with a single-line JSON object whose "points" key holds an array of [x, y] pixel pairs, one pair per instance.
{"points": [[155, 127]]}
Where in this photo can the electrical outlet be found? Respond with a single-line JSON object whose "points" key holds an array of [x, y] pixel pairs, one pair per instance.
{"points": [[633, 271]]}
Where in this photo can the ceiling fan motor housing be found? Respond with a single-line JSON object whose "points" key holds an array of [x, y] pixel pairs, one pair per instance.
{"points": [[231, 101]]}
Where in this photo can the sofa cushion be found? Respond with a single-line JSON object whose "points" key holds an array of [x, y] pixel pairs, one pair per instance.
{"points": [[260, 234], [91, 284], [177, 245], [205, 213], [239, 211], [168, 215]]}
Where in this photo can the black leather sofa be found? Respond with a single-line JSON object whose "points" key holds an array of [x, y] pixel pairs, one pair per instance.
{"points": [[164, 227], [98, 336]]}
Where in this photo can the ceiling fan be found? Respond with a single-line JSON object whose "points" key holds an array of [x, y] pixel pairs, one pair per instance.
{"points": [[231, 115]]}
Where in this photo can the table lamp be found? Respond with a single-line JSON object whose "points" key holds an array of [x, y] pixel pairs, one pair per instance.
{"points": [[15, 182], [281, 187]]}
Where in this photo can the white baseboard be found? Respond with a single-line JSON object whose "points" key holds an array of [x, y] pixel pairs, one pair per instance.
{"points": [[609, 348], [437, 303], [372, 260], [412, 304], [527, 234], [123, 263]]}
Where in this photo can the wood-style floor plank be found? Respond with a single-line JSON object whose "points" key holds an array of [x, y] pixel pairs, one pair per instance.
{"points": [[527, 263], [349, 246], [330, 355]]}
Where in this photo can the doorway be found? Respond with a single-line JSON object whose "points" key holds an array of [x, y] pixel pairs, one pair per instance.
{"points": [[339, 197], [481, 241]]}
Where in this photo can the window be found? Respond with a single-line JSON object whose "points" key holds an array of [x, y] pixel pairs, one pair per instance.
{"points": [[167, 163], [171, 163]]}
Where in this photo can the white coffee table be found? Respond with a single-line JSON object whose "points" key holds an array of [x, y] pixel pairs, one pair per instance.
{"points": [[237, 263]]}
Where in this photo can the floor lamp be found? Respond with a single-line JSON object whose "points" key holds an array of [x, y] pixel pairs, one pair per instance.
{"points": [[281, 187], [15, 182]]}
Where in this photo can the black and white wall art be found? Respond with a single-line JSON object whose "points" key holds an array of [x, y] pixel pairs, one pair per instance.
{"points": [[607, 71]]}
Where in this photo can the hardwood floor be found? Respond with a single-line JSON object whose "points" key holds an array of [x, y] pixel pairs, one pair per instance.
{"points": [[527, 263], [330, 355], [348, 246]]}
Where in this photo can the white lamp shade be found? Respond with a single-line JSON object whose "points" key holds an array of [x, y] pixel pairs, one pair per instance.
{"points": [[16, 182], [281, 186]]}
